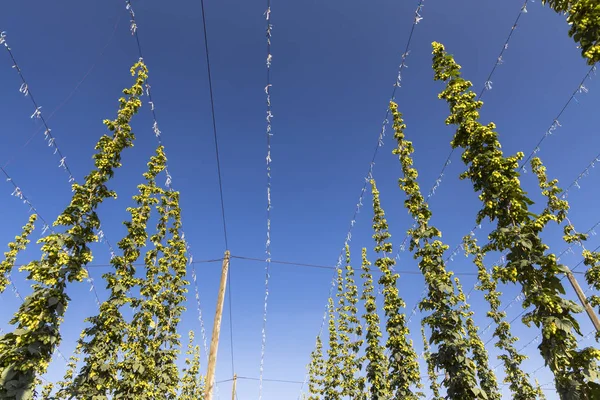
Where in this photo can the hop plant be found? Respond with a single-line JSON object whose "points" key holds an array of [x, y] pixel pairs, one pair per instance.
{"points": [[403, 367], [332, 379], [151, 345], [10, 257], [584, 21], [431, 373], [376, 362], [26, 351], [446, 321], [517, 379], [352, 386], [316, 372], [102, 341], [487, 378], [192, 385], [517, 230]]}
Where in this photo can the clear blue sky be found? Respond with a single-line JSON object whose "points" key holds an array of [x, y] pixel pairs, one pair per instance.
{"points": [[334, 64]]}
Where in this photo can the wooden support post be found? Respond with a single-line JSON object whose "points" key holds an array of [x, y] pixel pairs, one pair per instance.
{"points": [[588, 308], [233, 390], [214, 342]]}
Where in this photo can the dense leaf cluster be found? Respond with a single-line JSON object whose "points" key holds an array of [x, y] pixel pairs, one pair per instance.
{"points": [[446, 321], [515, 377], [10, 257], [584, 20], [403, 368], [27, 350], [517, 230]]}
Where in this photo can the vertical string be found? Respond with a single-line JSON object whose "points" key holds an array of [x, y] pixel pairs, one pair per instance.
{"points": [[269, 132]]}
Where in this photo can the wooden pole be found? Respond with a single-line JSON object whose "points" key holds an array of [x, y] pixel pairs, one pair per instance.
{"points": [[214, 342], [233, 390], [588, 308]]}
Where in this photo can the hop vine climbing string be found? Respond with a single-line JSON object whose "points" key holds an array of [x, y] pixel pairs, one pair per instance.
{"points": [[269, 134], [65, 255], [536, 340], [53, 144], [564, 195], [169, 180], [505, 202], [417, 19], [581, 89], [486, 87], [19, 194], [50, 139], [520, 297]]}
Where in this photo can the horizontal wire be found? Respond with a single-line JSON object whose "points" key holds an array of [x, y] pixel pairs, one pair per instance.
{"points": [[264, 380], [140, 264], [328, 267]]}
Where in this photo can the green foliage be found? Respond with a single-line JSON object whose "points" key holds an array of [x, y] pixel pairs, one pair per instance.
{"points": [[515, 377], [27, 350], [316, 372], [433, 379], [592, 260], [376, 367], [65, 386], [352, 386], [584, 20], [446, 320], [102, 341], [192, 382], [518, 230], [332, 380], [487, 378], [47, 390], [151, 346], [10, 257], [403, 367]]}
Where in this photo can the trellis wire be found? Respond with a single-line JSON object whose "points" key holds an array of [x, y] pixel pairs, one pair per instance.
{"points": [[398, 83]]}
